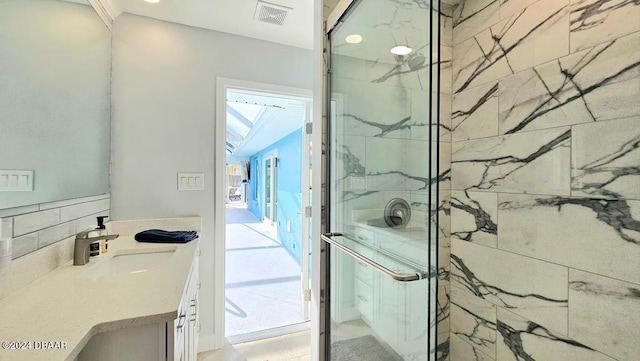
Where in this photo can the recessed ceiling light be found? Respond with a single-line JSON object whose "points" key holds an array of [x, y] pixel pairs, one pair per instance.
{"points": [[152, 1], [353, 39], [401, 50]]}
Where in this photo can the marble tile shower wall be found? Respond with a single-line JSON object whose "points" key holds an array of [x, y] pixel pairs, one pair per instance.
{"points": [[381, 105], [545, 180], [444, 209]]}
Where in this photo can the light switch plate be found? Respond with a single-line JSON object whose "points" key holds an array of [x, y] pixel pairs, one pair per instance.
{"points": [[16, 180], [190, 181]]}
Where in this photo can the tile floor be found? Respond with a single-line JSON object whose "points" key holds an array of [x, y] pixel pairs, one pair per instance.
{"points": [[263, 288], [293, 347]]}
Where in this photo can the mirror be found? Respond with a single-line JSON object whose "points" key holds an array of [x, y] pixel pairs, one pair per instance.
{"points": [[55, 101]]}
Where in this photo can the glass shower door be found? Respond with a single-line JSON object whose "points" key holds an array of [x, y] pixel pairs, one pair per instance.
{"points": [[382, 247]]}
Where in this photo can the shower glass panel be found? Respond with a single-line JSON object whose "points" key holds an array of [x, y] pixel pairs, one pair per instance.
{"points": [[381, 199]]}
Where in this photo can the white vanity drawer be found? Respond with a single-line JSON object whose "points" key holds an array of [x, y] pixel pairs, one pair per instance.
{"points": [[364, 299], [364, 236], [364, 273]]}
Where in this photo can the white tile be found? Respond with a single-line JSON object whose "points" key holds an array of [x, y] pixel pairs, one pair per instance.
{"points": [[532, 36], [474, 217], [397, 164], [446, 69], [607, 246], [475, 113], [6, 227], [509, 7], [443, 309], [529, 287], [370, 109], [604, 155], [446, 25], [54, 234], [83, 209], [421, 122], [24, 244], [474, 321], [532, 162], [58, 204], [535, 99], [31, 222], [535, 35], [604, 314], [597, 84], [444, 119], [474, 63], [87, 222], [471, 17], [521, 339], [463, 351], [597, 21], [8, 212]]}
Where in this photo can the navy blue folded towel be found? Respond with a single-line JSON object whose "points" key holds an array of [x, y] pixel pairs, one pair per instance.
{"points": [[160, 236]]}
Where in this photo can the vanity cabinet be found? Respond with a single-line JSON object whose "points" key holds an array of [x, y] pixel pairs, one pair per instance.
{"points": [[176, 340], [182, 333], [396, 311]]}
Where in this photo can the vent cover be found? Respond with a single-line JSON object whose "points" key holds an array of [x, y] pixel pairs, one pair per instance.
{"points": [[271, 13]]}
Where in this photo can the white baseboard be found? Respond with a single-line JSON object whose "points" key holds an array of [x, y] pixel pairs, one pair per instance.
{"points": [[206, 343]]}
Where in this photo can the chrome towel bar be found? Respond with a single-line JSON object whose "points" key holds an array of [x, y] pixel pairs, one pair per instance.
{"points": [[396, 276]]}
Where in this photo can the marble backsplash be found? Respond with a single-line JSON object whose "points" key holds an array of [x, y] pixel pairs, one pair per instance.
{"points": [[545, 180]]}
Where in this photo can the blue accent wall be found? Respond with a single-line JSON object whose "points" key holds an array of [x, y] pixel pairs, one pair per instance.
{"points": [[288, 194]]}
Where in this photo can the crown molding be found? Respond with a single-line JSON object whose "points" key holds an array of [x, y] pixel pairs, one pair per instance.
{"points": [[108, 10]]}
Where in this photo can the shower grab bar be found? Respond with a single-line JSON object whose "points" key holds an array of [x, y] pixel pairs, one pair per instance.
{"points": [[396, 276]]}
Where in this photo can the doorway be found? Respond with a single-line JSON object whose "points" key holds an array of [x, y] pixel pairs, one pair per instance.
{"points": [[262, 264]]}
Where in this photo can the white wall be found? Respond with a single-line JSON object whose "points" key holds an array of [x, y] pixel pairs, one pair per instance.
{"points": [[163, 95]]}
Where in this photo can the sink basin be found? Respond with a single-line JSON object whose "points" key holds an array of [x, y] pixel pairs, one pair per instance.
{"points": [[130, 263]]}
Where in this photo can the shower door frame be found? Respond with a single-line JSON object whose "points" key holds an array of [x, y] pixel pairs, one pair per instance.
{"points": [[434, 136]]}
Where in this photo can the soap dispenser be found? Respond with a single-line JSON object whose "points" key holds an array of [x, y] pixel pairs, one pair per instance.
{"points": [[102, 231]]}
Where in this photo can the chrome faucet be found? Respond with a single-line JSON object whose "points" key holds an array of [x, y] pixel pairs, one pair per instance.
{"points": [[82, 243]]}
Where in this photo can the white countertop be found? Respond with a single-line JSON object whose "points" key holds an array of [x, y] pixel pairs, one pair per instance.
{"points": [[61, 306]]}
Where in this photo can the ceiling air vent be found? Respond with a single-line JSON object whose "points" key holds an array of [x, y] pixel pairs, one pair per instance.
{"points": [[271, 13]]}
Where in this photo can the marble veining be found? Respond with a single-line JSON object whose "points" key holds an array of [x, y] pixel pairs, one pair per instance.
{"points": [[528, 37], [471, 17], [601, 303], [521, 339], [615, 214], [607, 246], [461, 350], [606, 159], [383, 129], [442, 309], [475, 113], [597, 21], [474, 321], [474, 217], [531, 288], [535, 162], [503, 297], [351, 163], [596, 84], [414, 63]]}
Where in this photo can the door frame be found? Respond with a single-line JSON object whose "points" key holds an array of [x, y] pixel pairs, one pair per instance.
{"points": [[222, 86]]}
